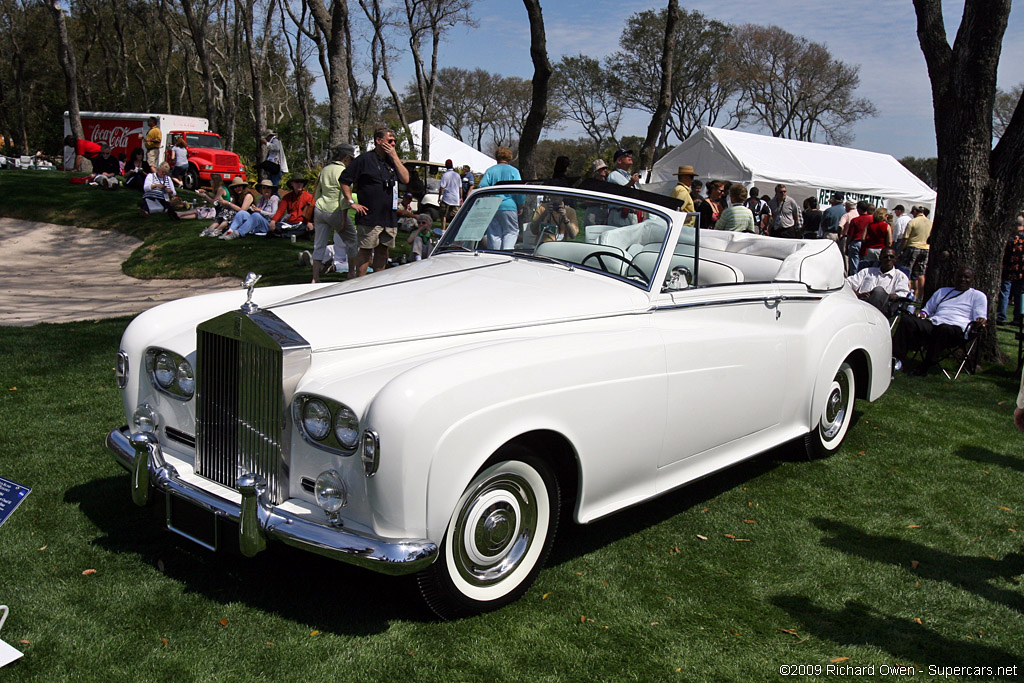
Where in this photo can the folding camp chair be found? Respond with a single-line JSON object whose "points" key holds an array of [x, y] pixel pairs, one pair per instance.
{"points": [[965, 354]]}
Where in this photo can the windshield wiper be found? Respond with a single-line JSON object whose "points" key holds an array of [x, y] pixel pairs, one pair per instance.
{"points": [[542, 257]]}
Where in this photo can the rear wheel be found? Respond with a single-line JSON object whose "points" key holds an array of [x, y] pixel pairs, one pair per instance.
{"points": [[497, 539], [836, 415], [432, 211]]}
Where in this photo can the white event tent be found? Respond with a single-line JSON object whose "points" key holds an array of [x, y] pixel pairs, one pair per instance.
{"points": [[444, 146], [807, 169]]}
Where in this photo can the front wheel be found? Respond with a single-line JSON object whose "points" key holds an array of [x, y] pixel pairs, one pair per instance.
{"points": [[191, 180], [836, 415], [498, 538]]}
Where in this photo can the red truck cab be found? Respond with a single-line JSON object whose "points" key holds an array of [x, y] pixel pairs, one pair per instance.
{"points": [[206, 158]]}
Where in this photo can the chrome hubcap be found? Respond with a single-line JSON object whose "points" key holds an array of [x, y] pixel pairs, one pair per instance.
{"points": [[495, 529], [834, 415]]}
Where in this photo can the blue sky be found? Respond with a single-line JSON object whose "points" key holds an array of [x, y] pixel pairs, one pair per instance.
{"points": [[878, 35]]}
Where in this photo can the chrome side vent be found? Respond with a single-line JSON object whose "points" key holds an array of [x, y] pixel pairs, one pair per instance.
{"points": [[247, 367]]}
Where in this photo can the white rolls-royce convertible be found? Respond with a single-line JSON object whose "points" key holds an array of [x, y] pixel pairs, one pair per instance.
{"points": [[562, 350]]}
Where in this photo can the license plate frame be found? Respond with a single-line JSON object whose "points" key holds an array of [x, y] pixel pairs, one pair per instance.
{"points": [[188, 520]]}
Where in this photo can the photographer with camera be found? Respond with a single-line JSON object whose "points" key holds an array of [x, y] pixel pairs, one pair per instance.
{"points": [[553, 221], [375, 175]]}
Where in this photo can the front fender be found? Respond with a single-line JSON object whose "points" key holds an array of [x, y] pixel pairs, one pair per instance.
{"points": [[440, 421]]}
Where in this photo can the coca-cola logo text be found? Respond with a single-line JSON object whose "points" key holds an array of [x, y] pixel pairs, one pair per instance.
{"points": [[116, 136]]}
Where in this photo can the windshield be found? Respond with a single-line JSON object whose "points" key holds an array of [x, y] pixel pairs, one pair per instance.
{"points": [[601, 234], [200, 140]]}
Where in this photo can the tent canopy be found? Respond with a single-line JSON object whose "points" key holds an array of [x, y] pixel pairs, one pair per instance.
{"points": [[444, 146], [807, 169]]}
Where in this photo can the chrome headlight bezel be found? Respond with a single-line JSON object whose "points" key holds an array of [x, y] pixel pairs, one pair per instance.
{"points": [[121, 369], [330, 441], [166, 361]]}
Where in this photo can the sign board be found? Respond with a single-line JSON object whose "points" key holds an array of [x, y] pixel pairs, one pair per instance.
{"points": [[825, 196], [11, 495]]}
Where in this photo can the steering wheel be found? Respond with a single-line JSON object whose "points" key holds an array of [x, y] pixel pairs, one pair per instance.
{"points": [[619, 257]]}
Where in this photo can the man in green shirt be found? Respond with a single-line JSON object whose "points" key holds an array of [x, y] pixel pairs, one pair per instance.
{"points": [[330, 210], [914, 248]]}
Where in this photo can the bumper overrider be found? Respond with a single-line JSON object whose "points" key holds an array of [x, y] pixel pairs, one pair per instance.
{"points": [[259, 521]]}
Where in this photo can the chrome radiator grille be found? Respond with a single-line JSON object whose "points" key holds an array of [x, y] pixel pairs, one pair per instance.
{"points": [[241, 401]]}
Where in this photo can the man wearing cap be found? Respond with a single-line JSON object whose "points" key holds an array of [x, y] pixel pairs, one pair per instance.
{"points": [[274, 163], [375, 176], [294, 211], [451, 189], [685, 175], [623, 161], [831, 216], [330, 212]]}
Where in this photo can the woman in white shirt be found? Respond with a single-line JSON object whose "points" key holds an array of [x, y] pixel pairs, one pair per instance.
{"points": [[157, 191]]}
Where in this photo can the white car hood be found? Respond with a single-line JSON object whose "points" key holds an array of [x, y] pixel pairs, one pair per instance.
{"points": [[453, 294]]}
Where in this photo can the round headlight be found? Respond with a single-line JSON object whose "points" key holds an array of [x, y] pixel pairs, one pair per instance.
{"points": [[186, 378], [346, 428], [164, 370], [331, 492], [316, 418]]}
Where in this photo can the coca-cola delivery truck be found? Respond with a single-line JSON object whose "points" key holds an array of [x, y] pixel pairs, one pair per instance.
{"points": [[125, 131]]}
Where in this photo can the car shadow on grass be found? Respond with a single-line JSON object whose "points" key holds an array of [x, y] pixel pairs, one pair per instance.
{"points": [[326, 594], [907, 641], [984, 455], [575, 540], [967, 572]]}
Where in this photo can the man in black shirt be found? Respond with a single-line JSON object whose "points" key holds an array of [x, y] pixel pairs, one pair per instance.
{"points": [[375, 175]]}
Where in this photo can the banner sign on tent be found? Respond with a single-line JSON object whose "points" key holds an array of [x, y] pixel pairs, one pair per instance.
{"points": [[11, 495], [825, 196]]}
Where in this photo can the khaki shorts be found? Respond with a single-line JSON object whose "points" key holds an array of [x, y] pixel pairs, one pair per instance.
{"points": [[377, 235], [449, 210]]}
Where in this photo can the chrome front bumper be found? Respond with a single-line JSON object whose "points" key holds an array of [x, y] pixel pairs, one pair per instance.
{"points": [[257, 520]]}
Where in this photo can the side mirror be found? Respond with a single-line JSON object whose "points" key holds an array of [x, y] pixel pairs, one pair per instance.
{"points": [[679, 278]]}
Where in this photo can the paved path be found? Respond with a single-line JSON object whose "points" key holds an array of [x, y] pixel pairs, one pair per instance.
{"points": [[58, 274]]}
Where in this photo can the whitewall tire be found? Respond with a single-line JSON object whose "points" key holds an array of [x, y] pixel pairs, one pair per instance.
{"points": [[497, 539], [835, 414]]}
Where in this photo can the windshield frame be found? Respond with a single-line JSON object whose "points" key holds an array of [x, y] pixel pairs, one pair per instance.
{"points": [[448, 244]]}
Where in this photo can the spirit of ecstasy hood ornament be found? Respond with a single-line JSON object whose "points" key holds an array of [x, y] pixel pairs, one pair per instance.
{"points": [[249, 282]]}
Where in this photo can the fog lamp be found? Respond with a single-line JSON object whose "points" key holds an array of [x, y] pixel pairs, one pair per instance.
{"points": [[331, 492], [145, 418]]}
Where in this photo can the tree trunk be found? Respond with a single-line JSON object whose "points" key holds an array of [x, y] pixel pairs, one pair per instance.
{"points": [[66, 58], [665, 98], [980, 189], [541, 80], [333, 28], [198, 31]]}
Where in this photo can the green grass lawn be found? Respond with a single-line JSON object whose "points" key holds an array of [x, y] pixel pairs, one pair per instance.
{"points": [[170, 249], [905, 547]]}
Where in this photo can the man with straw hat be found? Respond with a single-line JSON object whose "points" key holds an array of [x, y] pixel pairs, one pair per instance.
{"points": [[681, 192]]}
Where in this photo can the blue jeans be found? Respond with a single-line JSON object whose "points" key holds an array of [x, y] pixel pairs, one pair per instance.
{"points": [[1010, 289], [503, 232], [853, 251], [245, 222]]}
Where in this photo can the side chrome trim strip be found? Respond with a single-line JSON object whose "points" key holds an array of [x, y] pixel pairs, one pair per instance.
{"points": [[745, 300], [259, 521]]}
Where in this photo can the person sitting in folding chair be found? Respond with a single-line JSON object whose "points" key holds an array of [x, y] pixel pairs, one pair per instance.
{"points": [[943, 323], [882, 286]]}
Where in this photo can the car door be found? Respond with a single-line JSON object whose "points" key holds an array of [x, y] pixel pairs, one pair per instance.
{"points": [[726, 375]]}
